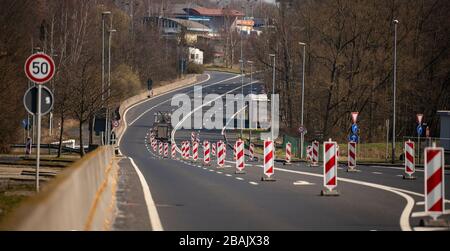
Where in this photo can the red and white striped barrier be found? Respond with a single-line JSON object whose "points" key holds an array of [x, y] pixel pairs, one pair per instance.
{"points": [[188, 150], [195, 151], [206, 152], [183, 150], [213, 149], [351, 156], [308, 154], [155, 146], [330, 166], [288, 154], [410, 162], [240, 156], [269, 160], [221, 154], [234, 151], [315, 154], [166, 150], [193, 137], [434, 182], [161, 148], [252, 151], [174, 151]]}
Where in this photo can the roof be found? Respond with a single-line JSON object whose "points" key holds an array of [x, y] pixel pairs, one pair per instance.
{"points": [[191, 25], [202, 11]]}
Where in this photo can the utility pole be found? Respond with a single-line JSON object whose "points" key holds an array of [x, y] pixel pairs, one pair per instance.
{"points": [[108, 122], [302, 139], [104, 14], [273, 94]]}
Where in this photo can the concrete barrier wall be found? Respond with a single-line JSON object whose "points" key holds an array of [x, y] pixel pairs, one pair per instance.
{"points": [[164, 88], [80, 198]]}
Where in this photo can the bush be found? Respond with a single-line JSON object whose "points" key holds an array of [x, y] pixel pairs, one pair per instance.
{"points": [[193, 68]]}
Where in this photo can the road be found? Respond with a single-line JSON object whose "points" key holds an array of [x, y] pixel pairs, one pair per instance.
{"points": [[183, 195]]}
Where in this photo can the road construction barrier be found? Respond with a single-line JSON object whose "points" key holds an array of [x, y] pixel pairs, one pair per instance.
{"points": [[188, 150], [174, 151], [315, 154], [288, 153], [410, 162], [351, 156], [269, 159], [193, 138], [330, 166], [81, 198], [240, 156], [213, 149], [195, 151], [252, 151], [154, 145], [434, 182], [308, 154], [221, 154], [166, 150], [161, 148], [206, 152]]}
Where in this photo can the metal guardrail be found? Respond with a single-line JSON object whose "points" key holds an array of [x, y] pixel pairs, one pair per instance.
{"points": [[65, 149]]}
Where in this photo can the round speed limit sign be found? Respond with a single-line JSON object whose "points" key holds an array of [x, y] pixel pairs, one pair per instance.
{"points": [[40, 68]]}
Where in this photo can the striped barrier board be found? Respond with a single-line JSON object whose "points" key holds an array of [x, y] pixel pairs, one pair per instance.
{"points": [[174, 151], [351, 156], [330, 166], [206, 152], [221, 154], [269, 160], [252, 151], [195, 151], [434, 182], [161, 148], [410, 162], [315, 154], [166, 150], [240, 156], [288, 153]]}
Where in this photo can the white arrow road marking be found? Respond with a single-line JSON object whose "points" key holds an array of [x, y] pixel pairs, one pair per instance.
{"points": [[155, 221]]}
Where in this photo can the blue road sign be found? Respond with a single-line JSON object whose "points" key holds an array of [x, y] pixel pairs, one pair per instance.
{"points": [[419, 130], [353, 138], [355, 128]]}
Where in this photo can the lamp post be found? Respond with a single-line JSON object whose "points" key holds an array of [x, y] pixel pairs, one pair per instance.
{"points": [[250, 103], [242, 92], [395, 89], [104, 14], [108, 124], [273, 93], [302, 139]]}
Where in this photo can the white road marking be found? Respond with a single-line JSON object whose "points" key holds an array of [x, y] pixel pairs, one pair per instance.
{"points": [[253, 183], [211, 170], [239, 178], [151, 206], [420, 203], [219, 173], [228, 175], [377, 173], [303, 183], [431, 229], [400, 175]]}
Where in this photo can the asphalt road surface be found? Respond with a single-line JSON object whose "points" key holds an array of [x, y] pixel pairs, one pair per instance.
{"points": [[183, 195]]}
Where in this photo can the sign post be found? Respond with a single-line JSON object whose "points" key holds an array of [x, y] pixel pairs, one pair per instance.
{"points": [[40, 69], [419, 133]]}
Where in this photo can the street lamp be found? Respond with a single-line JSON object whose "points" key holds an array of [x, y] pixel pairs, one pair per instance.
{"points": [[250, 102], [108, 124], [395, 89], [251, 75], [241, 61], [302, 139], [273, 93], [104, 14]]}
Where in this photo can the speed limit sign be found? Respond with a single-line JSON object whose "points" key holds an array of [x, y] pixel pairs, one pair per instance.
{"points": [[40, 68]]}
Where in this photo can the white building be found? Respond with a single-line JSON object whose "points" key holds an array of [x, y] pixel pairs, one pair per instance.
{"points": [[195, 55]]}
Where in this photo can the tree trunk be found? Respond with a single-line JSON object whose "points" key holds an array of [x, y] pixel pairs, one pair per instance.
{"points": [[82, 153]]}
